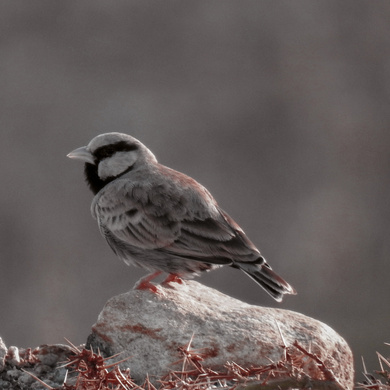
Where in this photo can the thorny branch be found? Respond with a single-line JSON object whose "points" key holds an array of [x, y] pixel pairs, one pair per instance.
{"points": [[290, 372], [373, 383]]}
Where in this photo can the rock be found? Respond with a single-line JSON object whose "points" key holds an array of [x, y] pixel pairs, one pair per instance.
{"points": [[13, 356], [151, 327], [51, 355], [3, 354], [42, 362]]}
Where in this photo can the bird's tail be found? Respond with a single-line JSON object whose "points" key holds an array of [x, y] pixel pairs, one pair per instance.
{"points": [[271, 282]]}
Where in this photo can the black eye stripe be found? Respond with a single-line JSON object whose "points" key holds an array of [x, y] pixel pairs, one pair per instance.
{"points": [[108, 150]]}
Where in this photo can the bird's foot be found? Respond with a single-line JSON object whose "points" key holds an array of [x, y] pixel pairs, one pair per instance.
{"points": [[171, 278], [144, 283]]}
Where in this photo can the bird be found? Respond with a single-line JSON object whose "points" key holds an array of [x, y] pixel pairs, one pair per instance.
{"points": [[164, 221]]}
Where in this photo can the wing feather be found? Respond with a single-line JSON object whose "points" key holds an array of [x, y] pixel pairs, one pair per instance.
{"points": [[176, 218], [127, 212], [222, 246]]}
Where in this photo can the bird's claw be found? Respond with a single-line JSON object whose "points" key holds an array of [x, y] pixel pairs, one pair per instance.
{"points": [[146, 285], [172, 278]]}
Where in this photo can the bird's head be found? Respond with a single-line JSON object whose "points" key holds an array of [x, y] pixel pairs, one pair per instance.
{"points": [[109, 156]]}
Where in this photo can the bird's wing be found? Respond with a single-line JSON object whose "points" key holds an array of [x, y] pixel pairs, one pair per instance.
{"points": [[132, 214], [180, 219], [216, 240]]}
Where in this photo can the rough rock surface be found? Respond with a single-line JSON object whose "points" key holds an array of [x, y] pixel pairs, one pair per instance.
{"points": [[150, 328], [3, 353], [42, 362]]}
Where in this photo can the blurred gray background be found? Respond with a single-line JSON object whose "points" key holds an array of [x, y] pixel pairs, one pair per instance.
{"points": [[280, 108]]}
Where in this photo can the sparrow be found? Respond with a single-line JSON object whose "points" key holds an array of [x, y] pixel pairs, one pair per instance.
{"points": [[162, 220]]}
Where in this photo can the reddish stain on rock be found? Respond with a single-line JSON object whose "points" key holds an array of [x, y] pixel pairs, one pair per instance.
{"points": [[211, 352], [231, 348], [102, 334], [138, 328]]}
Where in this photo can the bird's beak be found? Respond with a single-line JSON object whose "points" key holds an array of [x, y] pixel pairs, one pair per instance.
{"points": [[82, 154]]}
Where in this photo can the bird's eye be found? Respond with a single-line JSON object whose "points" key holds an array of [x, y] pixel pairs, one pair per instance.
{"points": [[104, 152], [108, 150]]}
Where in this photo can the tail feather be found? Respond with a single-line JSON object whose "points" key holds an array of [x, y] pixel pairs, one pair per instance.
{"points": [[270, 281]]}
